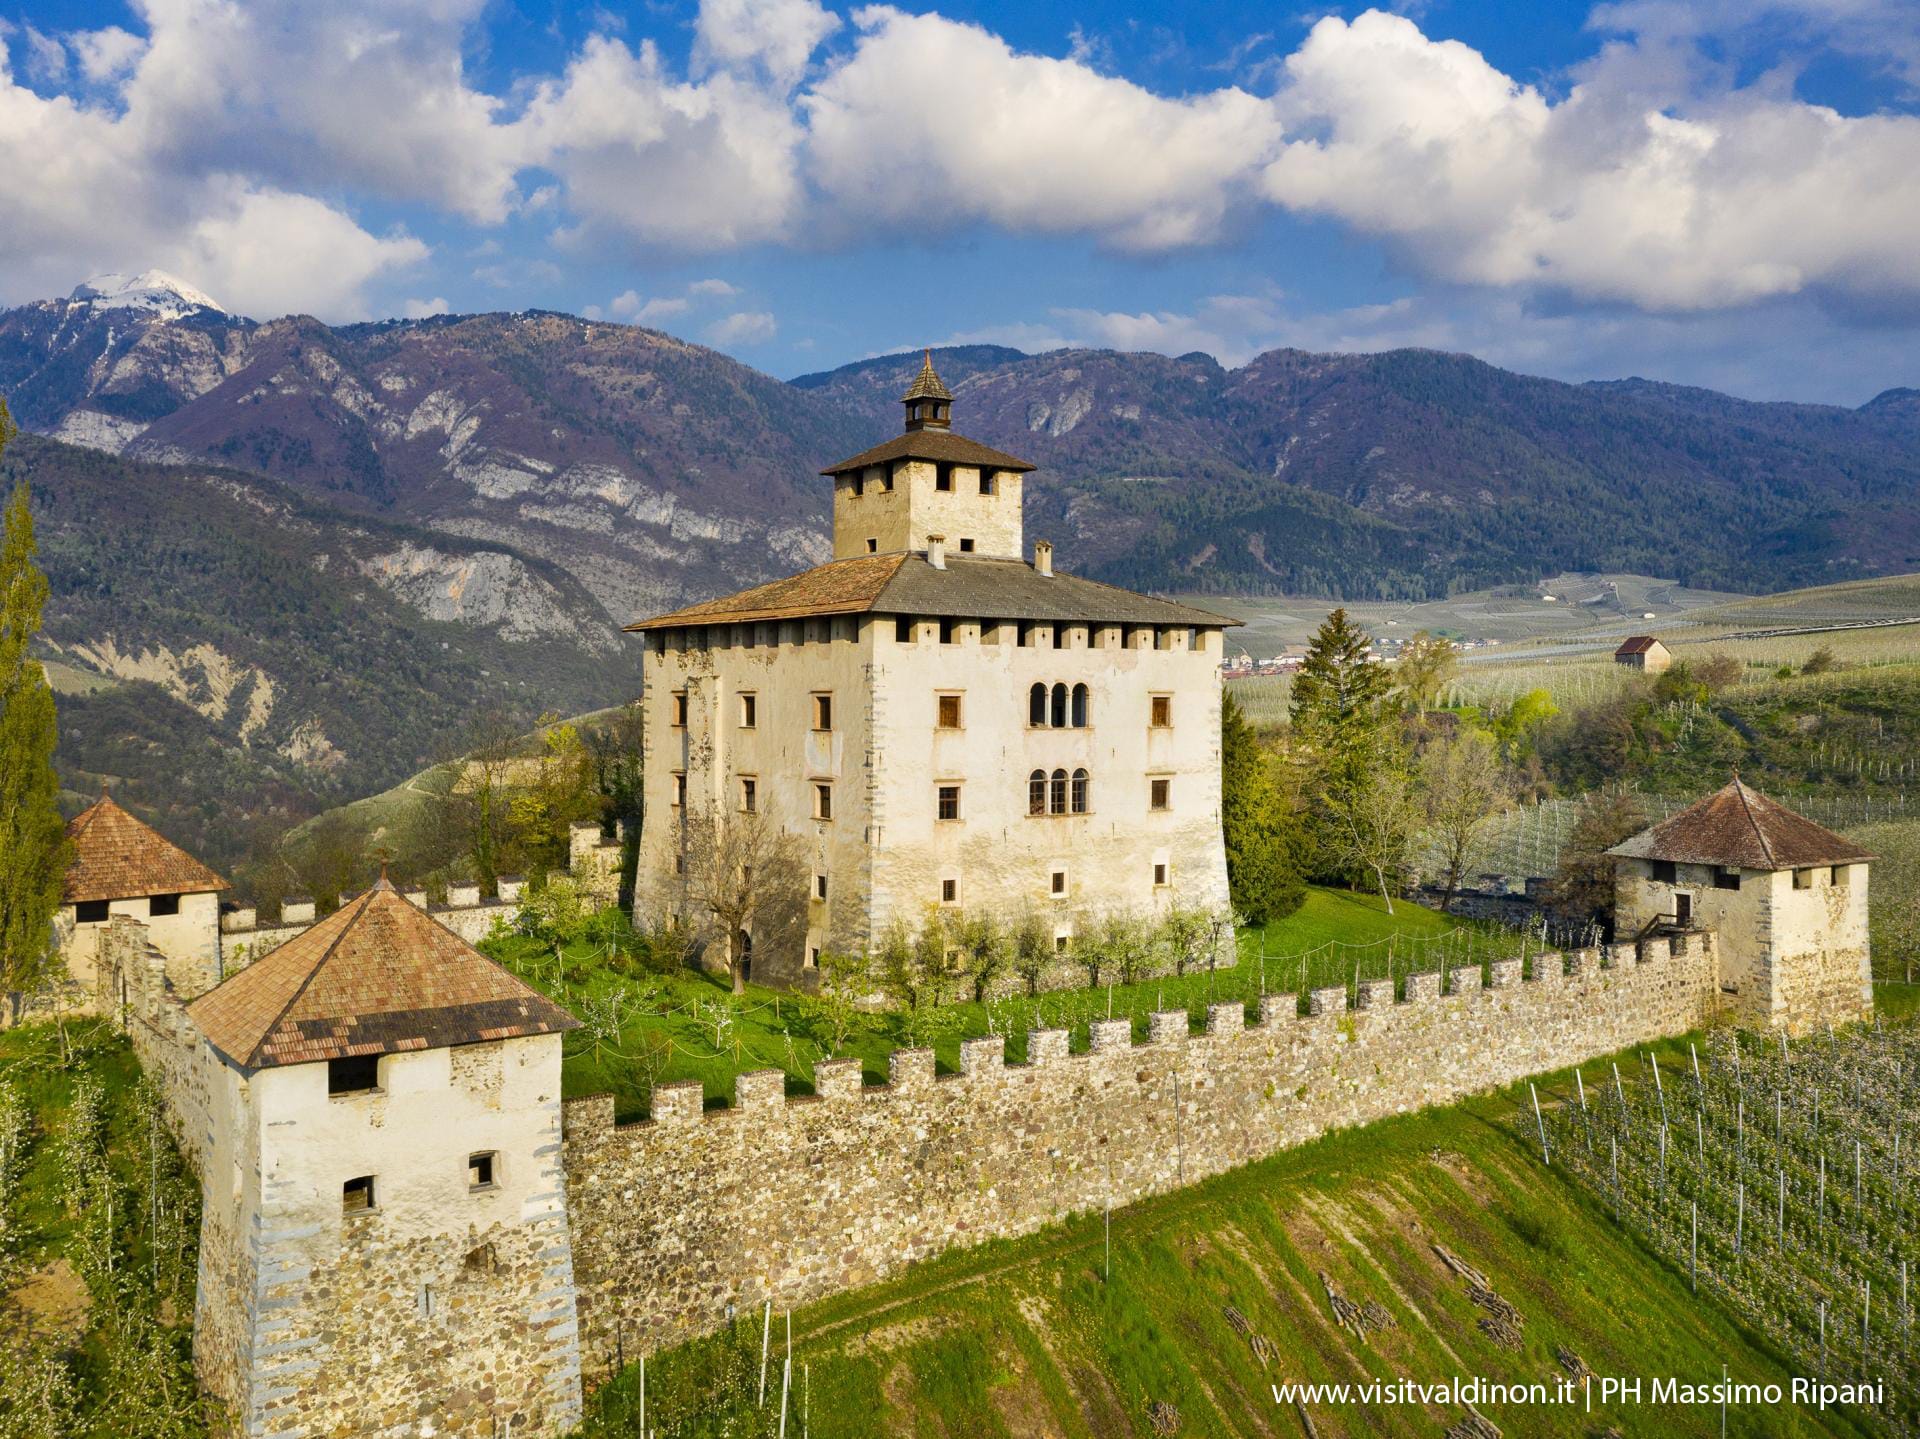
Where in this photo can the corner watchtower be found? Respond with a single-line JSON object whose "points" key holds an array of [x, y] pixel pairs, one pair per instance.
{"points": [[928, 490]]}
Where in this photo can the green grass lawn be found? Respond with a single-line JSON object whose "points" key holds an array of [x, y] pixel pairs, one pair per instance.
{"points": [[1031, 1337], [644, 1028]]}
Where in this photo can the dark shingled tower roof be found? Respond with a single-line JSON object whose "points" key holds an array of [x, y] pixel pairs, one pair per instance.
{"points": [[1741, 828], [378, 976], [927, 385], [115, 856]]}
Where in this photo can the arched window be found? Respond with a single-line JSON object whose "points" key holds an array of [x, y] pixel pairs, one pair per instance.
{"points": [[1037, 792], [1037, 705], [1080, 787], [1059, 706], [1057, 793], [1080, 695]]}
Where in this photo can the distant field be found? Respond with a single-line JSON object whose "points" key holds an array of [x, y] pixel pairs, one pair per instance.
{"points": [[1583, 605]]}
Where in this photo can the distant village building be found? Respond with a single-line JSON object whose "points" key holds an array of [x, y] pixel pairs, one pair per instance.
{"points": [[384, 1242], [123, 866], [1787, 898], [942, 721], [1643, 652]]}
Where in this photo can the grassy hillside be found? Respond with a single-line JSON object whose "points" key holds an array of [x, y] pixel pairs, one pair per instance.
{"points": [[1219, 1292]]}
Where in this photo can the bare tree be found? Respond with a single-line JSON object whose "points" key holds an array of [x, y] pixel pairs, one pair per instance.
{"points": [[1374, 827], [1461, 789], [746, 877]]}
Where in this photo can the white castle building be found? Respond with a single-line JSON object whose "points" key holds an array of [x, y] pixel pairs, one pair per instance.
{"points": [[939, 718]]}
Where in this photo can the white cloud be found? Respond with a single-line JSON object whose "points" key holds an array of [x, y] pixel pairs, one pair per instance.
{"points": [[630, 308], [930, 123], [1608, 194], [424, 309], [716, 289], [748, 327], [106, 54], [776, 37], [267, 251]]}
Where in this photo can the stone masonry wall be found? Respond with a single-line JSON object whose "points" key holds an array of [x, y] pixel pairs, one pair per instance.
{"points": [[678, 1217]]}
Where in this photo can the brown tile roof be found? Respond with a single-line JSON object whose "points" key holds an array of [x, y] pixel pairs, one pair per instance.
{"points": [[969, 587], [115, 856], [1636, 645], [927, 384], [1741, 828], [931, 445], [378, 976]]}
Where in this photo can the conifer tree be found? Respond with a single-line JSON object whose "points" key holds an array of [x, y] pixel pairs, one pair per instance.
{"points": [[1259, 824], [34, 852], [1359, 785]]}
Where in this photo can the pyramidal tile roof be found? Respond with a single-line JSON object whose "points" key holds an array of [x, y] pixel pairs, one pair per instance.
{"points": [[1741, 828], [927, 385], [378, 976], [115, 856]]}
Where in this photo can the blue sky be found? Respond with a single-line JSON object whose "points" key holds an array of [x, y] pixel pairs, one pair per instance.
{"points": [[1722, 192]]}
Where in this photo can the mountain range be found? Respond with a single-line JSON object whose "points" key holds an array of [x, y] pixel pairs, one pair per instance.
{"points": [[389, 527]]}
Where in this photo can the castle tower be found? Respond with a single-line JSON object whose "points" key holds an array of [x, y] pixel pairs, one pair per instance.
{"points": [[936, 721], [122, 866], [1787, 898], [928, 488], [384, 1244]]}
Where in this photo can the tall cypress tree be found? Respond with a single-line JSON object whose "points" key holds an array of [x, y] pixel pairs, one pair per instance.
{"points": [[34, 852], [1260, 828]]}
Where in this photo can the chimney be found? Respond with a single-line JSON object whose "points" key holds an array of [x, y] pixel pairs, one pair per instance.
{"points": [[937, 551], [1043, 557]]}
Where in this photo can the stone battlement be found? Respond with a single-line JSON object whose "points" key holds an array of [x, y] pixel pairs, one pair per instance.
{"points": [[680, 1216]]}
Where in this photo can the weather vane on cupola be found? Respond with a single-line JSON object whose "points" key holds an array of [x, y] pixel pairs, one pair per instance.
{"points": [[929, 402]]}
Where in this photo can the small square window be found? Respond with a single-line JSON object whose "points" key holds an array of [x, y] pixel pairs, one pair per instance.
{"points": [[966, 545], [903, 629], [949, 712], [949, 632], [1838, 876], [873, 545], [159, 906], [823, 801], [943, 478], [92, 911], [813, 956], [1059, 944], [1665, 872], [949, 801], [679, 709], [987, 482], [1803, 879], [480, 1170], [823, 712], [356, 1195], [859, 486], [820, 888], [1159, 876], [749, 794], [1162, 794], [679, 789], [949, 891], [1059, 881], [1162, 712], [1726, 879], [749, 711], [356, 1074]]}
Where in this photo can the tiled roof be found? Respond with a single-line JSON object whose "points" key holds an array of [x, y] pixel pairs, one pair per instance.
{"points": [[378, 976], [969, 587], [1741, 828], [115, 856], [927, 384], [1636, 645], [931, 445]]}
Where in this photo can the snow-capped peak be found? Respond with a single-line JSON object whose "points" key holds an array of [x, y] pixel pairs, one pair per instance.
{"points": [[151, 290]]}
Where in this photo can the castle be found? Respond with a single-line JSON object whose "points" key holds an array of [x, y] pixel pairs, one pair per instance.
{"points": [[407, 1232], [939, 721]]}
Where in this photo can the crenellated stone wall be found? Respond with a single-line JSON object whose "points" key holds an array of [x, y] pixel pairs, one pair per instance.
{"points": [[679, 1217]]}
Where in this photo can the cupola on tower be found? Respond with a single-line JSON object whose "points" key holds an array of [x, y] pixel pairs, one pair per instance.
{"points": [[928, 490]]}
